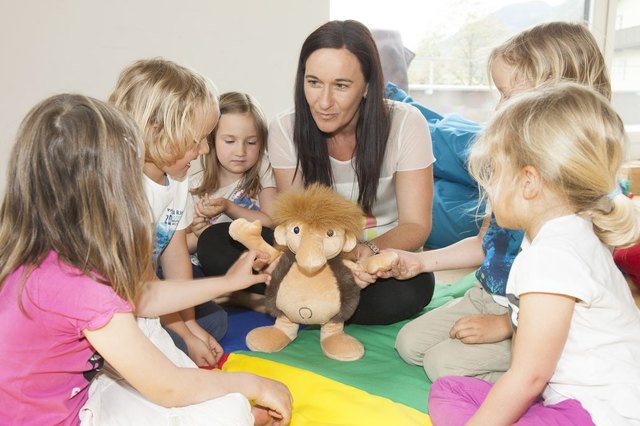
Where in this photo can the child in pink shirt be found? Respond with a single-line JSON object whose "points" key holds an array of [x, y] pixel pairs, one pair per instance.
{"points": [[77, 244], [47, 364]]}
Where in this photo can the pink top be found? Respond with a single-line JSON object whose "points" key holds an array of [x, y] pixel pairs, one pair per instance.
{"points": [[46, 363]]}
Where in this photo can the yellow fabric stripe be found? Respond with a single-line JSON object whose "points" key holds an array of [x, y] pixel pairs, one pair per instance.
{"points": [[319, 401]]}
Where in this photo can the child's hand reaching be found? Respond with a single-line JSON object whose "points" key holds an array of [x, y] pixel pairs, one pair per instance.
{"points": [[211, 207], [199, 224], [408, 265], [241, 276]]}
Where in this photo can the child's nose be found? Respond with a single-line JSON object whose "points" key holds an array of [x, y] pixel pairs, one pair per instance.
{"points": [[203, 147]]}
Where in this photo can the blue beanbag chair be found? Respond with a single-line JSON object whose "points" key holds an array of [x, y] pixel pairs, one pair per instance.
{"points": [[456, 213]]}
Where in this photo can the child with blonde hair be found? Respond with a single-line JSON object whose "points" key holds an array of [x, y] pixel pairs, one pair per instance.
{"points": [[549, 162], [471, 336], [236, 182], [72, 271], [176, 109]]}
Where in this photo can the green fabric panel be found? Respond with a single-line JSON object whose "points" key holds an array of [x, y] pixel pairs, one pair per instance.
{"points": [[381, 371]]}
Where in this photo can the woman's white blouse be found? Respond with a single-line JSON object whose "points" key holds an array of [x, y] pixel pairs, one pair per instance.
{"points": [[408, 148]]}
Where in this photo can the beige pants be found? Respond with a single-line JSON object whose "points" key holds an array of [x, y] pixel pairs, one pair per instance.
{"points": [[425, 341], [112, 401]]}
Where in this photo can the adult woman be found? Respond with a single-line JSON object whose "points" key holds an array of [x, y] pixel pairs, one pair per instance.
{"points": [[343, 133]]}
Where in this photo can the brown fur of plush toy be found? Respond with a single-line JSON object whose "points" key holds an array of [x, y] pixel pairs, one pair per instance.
{"points": [[319, 207], [348, 289]]}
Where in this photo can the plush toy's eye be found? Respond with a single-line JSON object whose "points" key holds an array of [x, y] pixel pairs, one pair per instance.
{"points": [[330, 233], [296, 230]]}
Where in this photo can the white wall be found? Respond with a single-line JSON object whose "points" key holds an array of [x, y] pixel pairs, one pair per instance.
{"points": [[53, 46]]}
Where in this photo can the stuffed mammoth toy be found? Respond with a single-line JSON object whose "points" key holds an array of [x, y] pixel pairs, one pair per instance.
{"points": [[312, 282]]}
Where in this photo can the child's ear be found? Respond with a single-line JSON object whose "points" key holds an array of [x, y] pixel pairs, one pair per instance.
{"points": [[531, 182]]}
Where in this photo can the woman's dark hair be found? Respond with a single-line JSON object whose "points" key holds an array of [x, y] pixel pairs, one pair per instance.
{"points": [[372, 129]]}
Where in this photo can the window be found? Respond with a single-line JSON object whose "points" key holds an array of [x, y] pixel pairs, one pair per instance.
{"points": [[625, 69], [447, 43]]}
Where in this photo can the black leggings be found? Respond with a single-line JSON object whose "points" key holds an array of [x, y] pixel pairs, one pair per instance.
{"points": [[384, 302], [217, 251], [391, 300]]}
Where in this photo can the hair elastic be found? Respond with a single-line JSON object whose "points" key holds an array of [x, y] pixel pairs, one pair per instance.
{"points": [[613, 194]]}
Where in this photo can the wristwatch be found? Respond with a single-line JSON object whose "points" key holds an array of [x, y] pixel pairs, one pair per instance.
{"points": [[374, 248]]}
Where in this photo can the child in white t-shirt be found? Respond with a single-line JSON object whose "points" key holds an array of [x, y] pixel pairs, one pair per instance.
{"points": [[236, 181], [471, 336], [176, 109], [549, 162]]}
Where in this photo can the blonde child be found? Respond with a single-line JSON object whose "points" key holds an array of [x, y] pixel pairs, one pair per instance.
{"points": [[471, 336], [175, 109], [236, 181], [72, 271], [548, 162]]}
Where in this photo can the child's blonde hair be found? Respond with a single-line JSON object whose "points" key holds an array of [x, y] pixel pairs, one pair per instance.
{"points": [[164, 98], [555, 51], [574, 139], [235, 103], [75, 187]]}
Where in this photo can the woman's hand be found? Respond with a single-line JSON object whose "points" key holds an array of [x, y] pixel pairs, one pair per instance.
{"points": [[363, 279], [360, 276], [362, 251]]}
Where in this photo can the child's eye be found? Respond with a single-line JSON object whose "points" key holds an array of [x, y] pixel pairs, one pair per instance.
{"points": [[252, 142], [229, 140]]}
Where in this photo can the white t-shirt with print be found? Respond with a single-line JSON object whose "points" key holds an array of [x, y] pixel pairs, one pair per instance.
{"points": [[408, 148], [233, 193], [172, 210], [600, 363]]}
